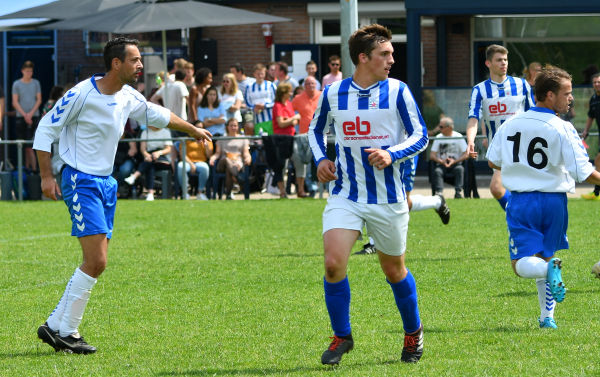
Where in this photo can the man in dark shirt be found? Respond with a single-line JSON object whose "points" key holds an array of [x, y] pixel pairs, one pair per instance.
{"points": [[594, 113]]}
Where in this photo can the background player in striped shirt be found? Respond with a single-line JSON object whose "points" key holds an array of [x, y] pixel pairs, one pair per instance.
{"points": [[88, 121], [540, 157], [377, 126], [494, 101], [260, 97]]}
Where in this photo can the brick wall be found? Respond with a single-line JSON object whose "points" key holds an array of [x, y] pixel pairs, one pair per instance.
{"points": [[71, 55], [428, 41], [459, 51], [245, 43]]}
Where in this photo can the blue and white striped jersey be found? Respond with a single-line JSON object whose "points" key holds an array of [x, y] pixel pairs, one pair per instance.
{"points": [[499, 101], [384, 116], [264, 94], [89, 124]]}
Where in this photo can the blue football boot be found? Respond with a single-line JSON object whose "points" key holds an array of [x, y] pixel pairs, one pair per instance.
{"points": [[554, 278]]}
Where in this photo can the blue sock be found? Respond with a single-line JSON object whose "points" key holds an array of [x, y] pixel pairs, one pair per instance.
{"points": [[504, 200], [337, 299], [405, 293]]}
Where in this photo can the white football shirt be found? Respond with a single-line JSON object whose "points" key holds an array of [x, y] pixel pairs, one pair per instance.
{"points": [[384, 116], [89, 124], [538, 151]]}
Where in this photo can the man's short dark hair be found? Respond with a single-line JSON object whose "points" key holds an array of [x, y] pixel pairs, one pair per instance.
{"points": [[179, 75], [365, 39], [333, 58], [310, 62], [597, 74], [115, 48], [283, 67], [549, 80], [201, 75], [238, 67]]}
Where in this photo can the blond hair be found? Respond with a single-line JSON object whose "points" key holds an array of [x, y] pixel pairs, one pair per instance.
{"points": [[234, 86]]}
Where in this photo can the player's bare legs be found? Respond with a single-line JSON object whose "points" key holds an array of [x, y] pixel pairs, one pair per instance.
{"points": [[496, 187], [392, 266], [95, 249], [337, 244]]}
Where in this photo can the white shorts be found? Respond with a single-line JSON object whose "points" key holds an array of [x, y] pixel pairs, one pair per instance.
{"points": [[387, 224]]}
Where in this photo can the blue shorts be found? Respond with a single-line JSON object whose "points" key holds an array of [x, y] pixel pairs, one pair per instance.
{"points": [[537, 223], [91, 200], [408, 169]]}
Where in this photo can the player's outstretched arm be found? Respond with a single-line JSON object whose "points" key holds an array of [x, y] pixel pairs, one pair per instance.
{"points": [[178, 124], [49, 186]]}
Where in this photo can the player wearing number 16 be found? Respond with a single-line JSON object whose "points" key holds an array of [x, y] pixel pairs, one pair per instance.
{"points": [[377, 126], [540, 156]]}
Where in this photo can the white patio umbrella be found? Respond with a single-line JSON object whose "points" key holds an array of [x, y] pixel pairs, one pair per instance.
{"points": [[66, 9]]}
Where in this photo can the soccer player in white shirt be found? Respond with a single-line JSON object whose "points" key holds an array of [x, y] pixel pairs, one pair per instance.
{"points": [[88, 122], [539, 156], [495, 100], [378, 125]]}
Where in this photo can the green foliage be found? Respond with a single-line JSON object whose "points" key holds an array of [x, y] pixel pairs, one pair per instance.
{"points": [[234, 288]]}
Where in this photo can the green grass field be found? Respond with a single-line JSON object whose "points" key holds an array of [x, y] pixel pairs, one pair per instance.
{"points": [[226, 288]]}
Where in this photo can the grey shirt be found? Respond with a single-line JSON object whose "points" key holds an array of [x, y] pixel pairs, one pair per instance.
{"points": [[27, 95]]}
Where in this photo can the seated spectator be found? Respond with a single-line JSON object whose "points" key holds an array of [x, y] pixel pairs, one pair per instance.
{"points": [[231, 97], [211, 113], [448, 154], [232, 155], [284, 123], [125, 157], [196, 161], [156, 154]]}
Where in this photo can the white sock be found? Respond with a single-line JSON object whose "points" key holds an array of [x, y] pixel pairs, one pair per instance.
{"points": [[57, 314], [532, 268], [77, 296], [421, 203], [545, 299]]}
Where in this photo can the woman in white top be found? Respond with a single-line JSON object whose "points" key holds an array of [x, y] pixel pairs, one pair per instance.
{"points": [[231, 97]]}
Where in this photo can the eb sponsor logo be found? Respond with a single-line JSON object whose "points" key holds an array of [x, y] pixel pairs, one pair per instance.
{"points": [[357, 128], [497, 108]]}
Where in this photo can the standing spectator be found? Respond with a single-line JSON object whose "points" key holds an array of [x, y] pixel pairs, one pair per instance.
{"points": [[156, 154], [242, 80], [367, 185], [26, 99], [335, 65], [232, 155], [174, 95], [2, 109], [260, 97], [284, 121], [203, 81], [190, 84], [283, 76], [196, 161], [211, 113], [243, 83], [448, 155], [231, 97], [311, 70], [305, 104], [594, 114], [272, 72], [531, 72], [495, 100], [540, 157]]}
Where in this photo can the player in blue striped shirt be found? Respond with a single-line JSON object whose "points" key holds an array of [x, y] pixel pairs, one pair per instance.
{"points": [[377, 126], [496, 100]]}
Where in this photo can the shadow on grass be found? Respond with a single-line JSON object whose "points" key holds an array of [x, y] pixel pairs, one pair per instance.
{"points": [[271, 371]]}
